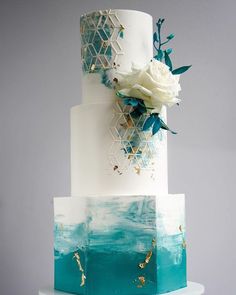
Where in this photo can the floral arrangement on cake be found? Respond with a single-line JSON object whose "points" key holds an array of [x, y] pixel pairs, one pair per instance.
{"points": [[150, 88], [142, 93]]}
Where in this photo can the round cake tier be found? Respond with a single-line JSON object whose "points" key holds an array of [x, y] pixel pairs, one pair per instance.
{"points": [[112, 40], [104, 160]]}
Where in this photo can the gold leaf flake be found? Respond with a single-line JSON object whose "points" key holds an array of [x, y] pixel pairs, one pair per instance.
{"points": [[142, 264], [92, 67], [142, 280], [104, 44], [122, 28], [184, 244], [148, 256], [153, 243], [83, 277], [137, 170]]}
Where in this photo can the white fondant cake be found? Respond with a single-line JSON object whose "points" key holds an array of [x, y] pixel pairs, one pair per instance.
{"points": [[98, 164], [121, 233]]}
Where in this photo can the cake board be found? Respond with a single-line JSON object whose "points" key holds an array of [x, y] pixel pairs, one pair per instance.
{"points": [[191, 289]]}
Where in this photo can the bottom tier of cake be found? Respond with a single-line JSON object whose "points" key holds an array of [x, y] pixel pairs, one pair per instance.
{"points": [[120, 245]]}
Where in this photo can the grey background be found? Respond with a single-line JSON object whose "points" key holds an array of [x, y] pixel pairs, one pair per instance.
{"points": [[40, 81]]}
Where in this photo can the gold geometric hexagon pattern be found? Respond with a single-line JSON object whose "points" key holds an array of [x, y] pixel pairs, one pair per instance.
{"points": [[131, 146], [100, 33]]}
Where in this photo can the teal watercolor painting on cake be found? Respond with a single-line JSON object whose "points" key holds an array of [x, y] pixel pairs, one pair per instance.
{"points": [[120, 245]]}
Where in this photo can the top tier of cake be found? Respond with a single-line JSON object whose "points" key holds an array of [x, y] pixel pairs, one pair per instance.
{"points": [[112, 39]]}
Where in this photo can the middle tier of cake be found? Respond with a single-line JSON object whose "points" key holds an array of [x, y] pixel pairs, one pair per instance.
{"points": [[112, 155]]}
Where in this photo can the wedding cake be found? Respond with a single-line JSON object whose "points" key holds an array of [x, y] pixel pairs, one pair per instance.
{"points": [[120, 232]]}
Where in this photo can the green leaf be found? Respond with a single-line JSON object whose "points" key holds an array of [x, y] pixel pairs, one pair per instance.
{"points": [[148, 123], [131, 101], [121, 95], [168, 60], [121, 34], [165, 127], [159, 55], [155, 38], [141, 108], [171, 36], [159, 22], [156, 126], [169, 50], [180, 70]]}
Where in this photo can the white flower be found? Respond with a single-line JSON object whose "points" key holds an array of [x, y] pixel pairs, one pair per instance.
{"points": [[154, 84]]}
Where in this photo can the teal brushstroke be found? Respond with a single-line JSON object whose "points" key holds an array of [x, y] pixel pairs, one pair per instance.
{"points": [[110, 254], [67, 276], [170, 276], [105, 80], [67, 239], [117, 272]]}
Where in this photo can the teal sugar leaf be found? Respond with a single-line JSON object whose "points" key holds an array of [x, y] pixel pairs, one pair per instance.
{"points": [[159, 55], [131, 101], [155, 38], [169, 50], [121, 95], [171, 36], [148, 123], [159, 22], [135, 114], [156, 126], [141, 108], [121, 34], [165, 127], [180, 70], [168, 61]]}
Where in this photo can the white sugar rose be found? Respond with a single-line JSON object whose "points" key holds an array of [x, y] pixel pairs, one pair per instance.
{"points": [[155, 84]]}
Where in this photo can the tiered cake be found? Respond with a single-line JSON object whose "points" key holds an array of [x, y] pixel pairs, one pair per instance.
{"points": [[120, 232]]}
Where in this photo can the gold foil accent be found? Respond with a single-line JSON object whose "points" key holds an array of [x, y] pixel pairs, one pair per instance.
{"points": [[153, 243], [148, 255], [104, 44], [83, 277], [115, 168], [92, 67], [122, 28], [142, 264], [142, 281], [183, 242], [137, 170]]}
